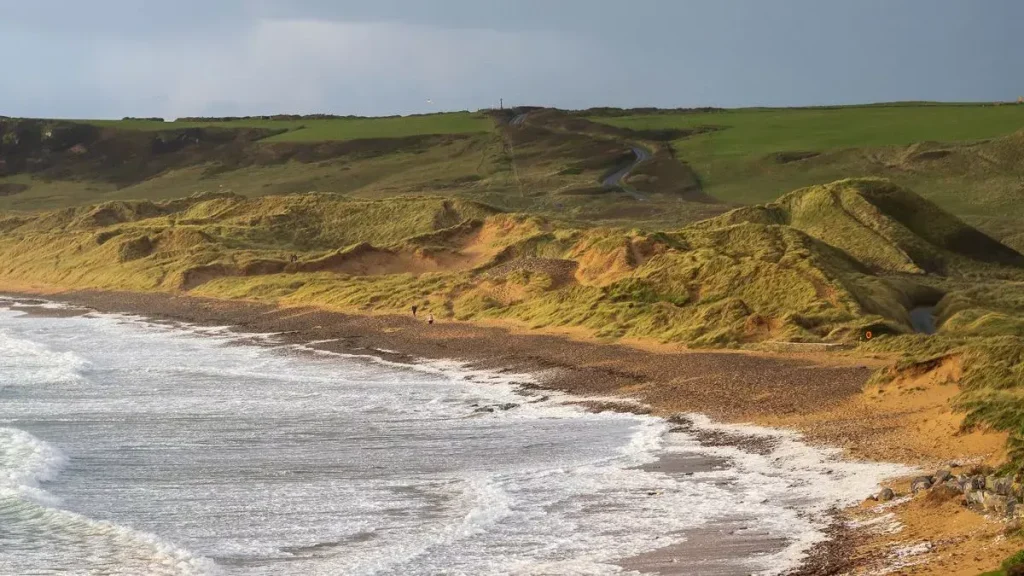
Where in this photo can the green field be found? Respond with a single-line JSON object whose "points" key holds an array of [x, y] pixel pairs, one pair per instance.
{"points": [[966, 158], [753, 133], [332, 129]]}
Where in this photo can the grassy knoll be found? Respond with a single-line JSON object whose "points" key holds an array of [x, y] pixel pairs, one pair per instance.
{"points": [[328, 129]]}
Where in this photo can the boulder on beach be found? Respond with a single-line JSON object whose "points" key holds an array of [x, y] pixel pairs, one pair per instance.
{"points": [[920, 483], [1001, 486]]}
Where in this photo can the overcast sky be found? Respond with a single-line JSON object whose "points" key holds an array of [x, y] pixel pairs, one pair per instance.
{"points": [[114, 58]]}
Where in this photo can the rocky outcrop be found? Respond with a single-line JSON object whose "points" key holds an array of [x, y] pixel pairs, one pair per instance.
{"points": [[986, 493], [921, 483]]}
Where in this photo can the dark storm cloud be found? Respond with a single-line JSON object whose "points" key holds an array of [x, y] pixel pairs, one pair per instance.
{"points": [[118, 57]]}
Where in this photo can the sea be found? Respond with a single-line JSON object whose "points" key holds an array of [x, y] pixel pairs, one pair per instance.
{"points": [[136, 447]]}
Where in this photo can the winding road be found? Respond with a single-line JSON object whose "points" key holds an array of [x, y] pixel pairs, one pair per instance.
{"points": [[617, 179]]}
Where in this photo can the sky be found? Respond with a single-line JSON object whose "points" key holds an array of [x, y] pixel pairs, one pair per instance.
{"points": [[115, 58]]}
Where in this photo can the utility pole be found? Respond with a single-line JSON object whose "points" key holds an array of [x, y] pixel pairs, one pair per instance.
{"points": [[501, 103]]}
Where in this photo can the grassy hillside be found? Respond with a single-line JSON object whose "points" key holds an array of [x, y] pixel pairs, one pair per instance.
{"points": [[887, 228], [547, 168], [968, 159], [751, 275]]}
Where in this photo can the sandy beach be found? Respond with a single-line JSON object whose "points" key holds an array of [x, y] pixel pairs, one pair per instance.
{"points": [[820, 395]]}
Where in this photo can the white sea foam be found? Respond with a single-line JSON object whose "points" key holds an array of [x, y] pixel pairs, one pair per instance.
{"points": [[25, 462], [26, 509], [26, 363], [808, 481], [338, 463]]}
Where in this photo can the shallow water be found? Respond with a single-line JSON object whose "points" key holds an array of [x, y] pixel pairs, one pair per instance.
{"points": [[128, 447], [922, 319]]}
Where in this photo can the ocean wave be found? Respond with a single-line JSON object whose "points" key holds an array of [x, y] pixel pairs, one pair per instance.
{"points": [[36, 364], [25, 462], [76, 541]]}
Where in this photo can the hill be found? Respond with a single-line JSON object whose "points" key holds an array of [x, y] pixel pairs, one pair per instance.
{"points": [[319, 128], [968, 159], [884, 226], [818, 265], [554, 167]]}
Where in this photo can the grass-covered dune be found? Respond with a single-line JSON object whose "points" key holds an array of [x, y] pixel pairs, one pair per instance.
{"points": [[820, 265], [887, 228]]}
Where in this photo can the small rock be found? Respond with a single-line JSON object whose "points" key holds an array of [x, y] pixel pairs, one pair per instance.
{"points": [[975, 497], [993, 502], [496, 407], [885, 495], [978, 482], [1002, 486], [953, 484], [920, 483], [942, 475]]}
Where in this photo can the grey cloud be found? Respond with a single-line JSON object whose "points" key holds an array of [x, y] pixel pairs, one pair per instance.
{"points": [[313, 66]]}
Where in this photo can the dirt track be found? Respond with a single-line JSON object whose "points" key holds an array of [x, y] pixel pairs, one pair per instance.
{"points": [[618, 179]]}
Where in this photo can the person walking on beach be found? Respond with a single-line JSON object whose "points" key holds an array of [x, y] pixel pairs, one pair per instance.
{"points": [[430, 318], [414, 308]]}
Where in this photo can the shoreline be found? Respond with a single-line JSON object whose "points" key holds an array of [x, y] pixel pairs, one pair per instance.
{"points": [[727, 386]]}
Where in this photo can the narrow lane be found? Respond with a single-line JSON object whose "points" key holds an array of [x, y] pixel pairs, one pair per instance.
{"points": [[617, 179]]}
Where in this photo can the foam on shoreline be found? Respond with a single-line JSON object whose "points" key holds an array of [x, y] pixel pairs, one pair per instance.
{"points": [[791, 489]]}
